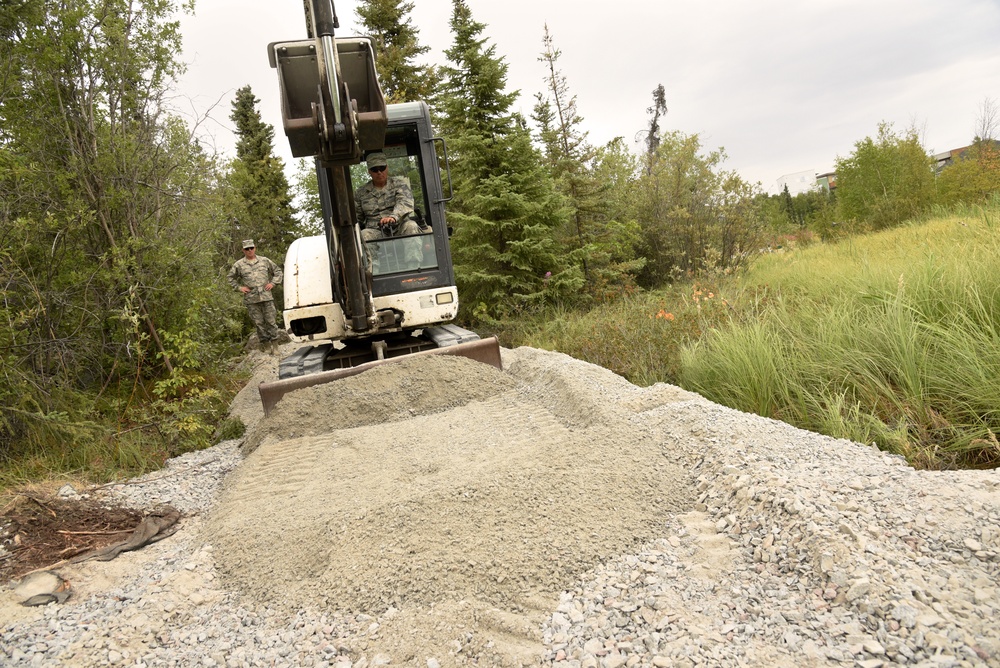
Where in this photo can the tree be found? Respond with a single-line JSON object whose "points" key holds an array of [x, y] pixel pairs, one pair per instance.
{"points": [[656, 111], [87, 105], [786, 214], [988, 121], [264, 209], [887, 180], [107, 231], [566, 148], [974, 177], [592, 237], [306, 188], [617, 235], [506, 209], [795, 216], [694, 216], [396, 49], [566, 144]]}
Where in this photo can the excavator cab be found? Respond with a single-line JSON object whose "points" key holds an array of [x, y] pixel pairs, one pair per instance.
{"points": [[412, 155], [411, 294], [398, 252]]}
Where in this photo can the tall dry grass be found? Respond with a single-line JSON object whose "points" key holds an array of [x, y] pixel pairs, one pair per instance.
{"points": [[891, 338]]}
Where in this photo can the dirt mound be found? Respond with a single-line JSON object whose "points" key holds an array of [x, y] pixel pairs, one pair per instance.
{"points": [[443, 484], [388, 393]]}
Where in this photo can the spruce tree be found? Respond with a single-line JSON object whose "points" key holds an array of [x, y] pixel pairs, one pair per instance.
{"points": [[506, 209], [396, 48], [263, 210], [569, 148], [789, 206], [592, 238], [656, 111]]}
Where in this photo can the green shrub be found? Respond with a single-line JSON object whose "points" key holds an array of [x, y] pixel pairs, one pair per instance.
{"points": [[230, 429]]}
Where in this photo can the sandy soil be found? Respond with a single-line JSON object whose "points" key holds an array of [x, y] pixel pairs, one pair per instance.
{"points": [[459, 498]]}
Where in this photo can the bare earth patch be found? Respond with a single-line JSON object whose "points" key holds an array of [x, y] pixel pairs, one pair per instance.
{"points": [[37, 532]]}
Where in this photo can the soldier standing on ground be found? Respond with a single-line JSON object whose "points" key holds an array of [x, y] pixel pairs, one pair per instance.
{"points": [[254, 275], [385, 208]]}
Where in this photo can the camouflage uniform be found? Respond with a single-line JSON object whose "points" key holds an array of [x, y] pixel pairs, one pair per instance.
{"points": [[255, 275], [396, 200]]}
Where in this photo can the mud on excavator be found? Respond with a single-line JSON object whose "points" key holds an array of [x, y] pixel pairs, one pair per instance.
{"points": [[355, 304]]}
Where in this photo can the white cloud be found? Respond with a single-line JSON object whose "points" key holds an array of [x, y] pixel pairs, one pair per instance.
{"points": [[784, 86]]}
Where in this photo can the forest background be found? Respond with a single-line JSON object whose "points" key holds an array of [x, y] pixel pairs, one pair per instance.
{"points": [[118, 333]]}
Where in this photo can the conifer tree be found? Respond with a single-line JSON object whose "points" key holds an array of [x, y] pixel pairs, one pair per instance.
{"points": [[656, 112], [396, 48], [788, 204], [264, 210], [569, 147], [506, 209], [592, 236]]}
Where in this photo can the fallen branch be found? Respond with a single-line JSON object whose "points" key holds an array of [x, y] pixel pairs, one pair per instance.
{"points": [[39, 502], [94, 533]]}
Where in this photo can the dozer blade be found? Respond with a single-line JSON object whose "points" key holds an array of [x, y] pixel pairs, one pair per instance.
{"points": [[486, 351]]}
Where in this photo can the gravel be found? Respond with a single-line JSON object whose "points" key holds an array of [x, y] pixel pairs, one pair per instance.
{"points": [[763, 545]]}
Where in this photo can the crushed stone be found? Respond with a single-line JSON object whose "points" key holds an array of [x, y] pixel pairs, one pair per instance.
{"points": [[553, 515]]}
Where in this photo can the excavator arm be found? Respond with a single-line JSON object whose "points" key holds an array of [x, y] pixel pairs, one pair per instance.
{"points": [[332, 108]]}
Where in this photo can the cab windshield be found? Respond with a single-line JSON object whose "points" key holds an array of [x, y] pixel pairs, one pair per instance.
{"points": [[396, 250]]}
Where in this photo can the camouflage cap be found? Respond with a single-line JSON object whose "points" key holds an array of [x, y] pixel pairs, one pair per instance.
{"points": [[248, 243], [377, 160]]}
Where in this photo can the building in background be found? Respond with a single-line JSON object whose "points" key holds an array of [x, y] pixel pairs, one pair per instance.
{"points": [[827, 181], [942, 160], [798, 182]]}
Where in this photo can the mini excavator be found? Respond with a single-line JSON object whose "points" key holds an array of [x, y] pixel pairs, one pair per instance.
{"points": [[354, 304]]}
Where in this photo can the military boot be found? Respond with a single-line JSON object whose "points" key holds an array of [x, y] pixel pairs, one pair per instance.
{"points": [[274, 348]]}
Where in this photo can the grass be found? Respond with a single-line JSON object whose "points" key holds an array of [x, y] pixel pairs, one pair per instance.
{"points": [[113, 437], [638, 336], [890, 338]]}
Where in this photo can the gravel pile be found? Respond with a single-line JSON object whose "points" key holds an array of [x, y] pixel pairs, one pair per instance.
{"points": [[777, 547], [801, 551]]}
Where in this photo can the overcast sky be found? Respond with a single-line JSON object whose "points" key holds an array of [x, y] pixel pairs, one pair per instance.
{"points": [[783, 85]]}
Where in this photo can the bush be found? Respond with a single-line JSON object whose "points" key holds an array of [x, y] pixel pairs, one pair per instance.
{"points": [[229, 429]]}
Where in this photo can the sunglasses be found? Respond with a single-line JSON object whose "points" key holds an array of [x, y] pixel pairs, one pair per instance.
{"points": [[376, 169], [249, 248]]}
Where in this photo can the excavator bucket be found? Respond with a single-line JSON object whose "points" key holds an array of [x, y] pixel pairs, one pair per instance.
{"points": [[486, 351]]}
